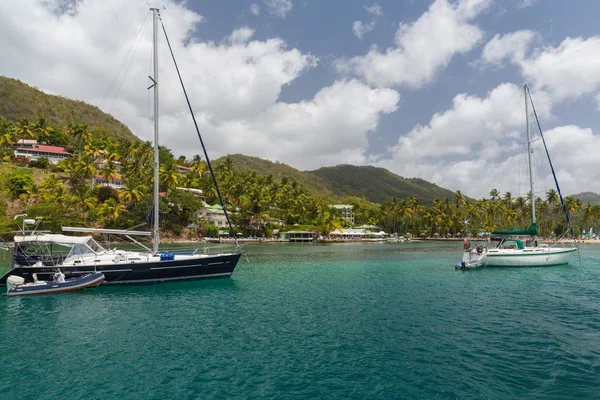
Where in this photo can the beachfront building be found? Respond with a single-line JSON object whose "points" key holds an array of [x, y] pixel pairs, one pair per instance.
{"points": [[298, 236], [346, 210], [357, 234], [214, 215], [33, 151]]}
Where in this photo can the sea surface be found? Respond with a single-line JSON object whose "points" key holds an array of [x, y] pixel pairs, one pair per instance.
{"points": [[315, 321]]}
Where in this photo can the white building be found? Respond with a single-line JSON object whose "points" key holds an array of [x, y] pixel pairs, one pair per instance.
{"points": [[357, 234], [214, 215], [346, 210], [115, 183], [34, 151]]}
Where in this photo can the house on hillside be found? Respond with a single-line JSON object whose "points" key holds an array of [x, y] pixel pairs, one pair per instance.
{"points": [[115, 183], [346, 210], [214, 215], [33, 151], [183, 170]]}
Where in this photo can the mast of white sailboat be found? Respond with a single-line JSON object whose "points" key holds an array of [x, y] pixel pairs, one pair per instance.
{"points": [[533, 219], [156, 237]]}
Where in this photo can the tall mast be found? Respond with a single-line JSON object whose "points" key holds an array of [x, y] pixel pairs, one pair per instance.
{"points": [[156, 239], [533, 219]]}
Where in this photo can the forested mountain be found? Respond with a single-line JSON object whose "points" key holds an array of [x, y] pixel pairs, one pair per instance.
{"points": [[376, 185], [588, 197], [19, 100]]}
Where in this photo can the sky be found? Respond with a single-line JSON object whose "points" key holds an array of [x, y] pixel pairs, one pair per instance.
{"points": [[429, 89]]}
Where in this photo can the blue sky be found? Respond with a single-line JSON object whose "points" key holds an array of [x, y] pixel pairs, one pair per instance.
{"points": [[428, 89]]}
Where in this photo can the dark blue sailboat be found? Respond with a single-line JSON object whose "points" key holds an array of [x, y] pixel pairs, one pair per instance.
{"points": [[83, 255]]}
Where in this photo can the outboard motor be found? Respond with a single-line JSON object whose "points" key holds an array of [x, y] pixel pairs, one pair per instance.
{"points": [[14, 281]]}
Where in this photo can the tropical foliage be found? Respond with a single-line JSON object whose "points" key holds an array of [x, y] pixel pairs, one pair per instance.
{"points": [[257, 200]]}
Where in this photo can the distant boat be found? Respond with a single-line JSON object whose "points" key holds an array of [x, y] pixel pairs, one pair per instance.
{"points": [[83, 255], [511, 251], [16, 285]]}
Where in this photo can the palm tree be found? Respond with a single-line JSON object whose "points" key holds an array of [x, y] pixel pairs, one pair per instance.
{"points": [[109, 171], [23, 129], [130, 194], [85, 200], [168, 176], [6, 132], [93, 151], [40, 129], [494, 194], [79, 132], [110, 210]]}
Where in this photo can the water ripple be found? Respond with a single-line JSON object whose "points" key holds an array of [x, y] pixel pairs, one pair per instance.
{"points": [[306, 322]]}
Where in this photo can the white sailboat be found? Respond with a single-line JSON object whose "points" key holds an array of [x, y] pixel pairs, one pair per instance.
{"points": [[511, 251]]}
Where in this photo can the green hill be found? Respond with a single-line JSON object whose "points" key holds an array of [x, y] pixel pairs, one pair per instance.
{"points": [[317, 186], [376, 185], [19, 100], [588, 197]]}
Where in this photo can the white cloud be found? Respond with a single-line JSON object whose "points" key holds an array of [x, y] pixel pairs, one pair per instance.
{"points": [[475, 146], [359, 29], [568, 71], [241, 35], [374, 9], [511, 46], [234, 85], [525, 3], [422, 47], [326, 130], [573, 150], [255, 9], [280, 8]]}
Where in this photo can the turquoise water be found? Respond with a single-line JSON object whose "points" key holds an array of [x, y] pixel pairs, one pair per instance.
{"points": [[316, 321]]}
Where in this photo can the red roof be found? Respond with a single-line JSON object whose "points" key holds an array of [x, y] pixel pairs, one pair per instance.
{"points": [[48, 149]]}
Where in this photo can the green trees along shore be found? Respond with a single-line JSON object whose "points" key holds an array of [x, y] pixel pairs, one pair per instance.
{"points": [[65, 194]]}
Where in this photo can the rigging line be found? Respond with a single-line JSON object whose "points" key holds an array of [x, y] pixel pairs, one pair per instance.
{"points": [[137, 44], [552, 167], [116, 76], [199, 135]]}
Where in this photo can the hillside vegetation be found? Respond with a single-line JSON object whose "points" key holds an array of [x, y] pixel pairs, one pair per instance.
{"points": [[314, 184], [262, 196], [375, 185], [21, 101], [588, 197]]}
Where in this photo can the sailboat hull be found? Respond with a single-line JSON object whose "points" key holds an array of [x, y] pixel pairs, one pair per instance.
{"points": [[528, 257], [210, 267]]}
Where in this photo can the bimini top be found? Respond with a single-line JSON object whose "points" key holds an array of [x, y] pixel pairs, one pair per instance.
{"points": [[53, 238], [531, 231]]}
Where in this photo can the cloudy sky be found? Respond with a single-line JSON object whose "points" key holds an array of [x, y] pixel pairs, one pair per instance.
{"points": [[429, 89]]}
